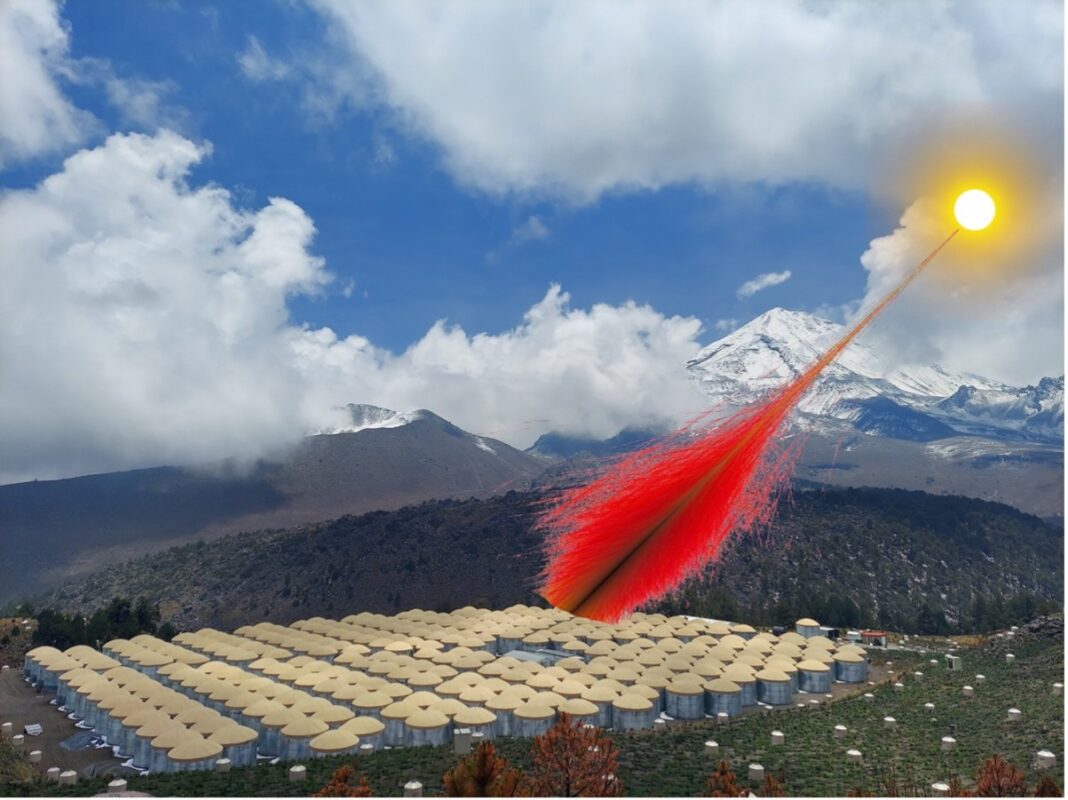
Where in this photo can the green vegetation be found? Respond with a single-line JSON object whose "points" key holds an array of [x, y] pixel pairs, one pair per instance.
{"points": [[888, 558], [121, 618], [905, 561], [811, 762]]}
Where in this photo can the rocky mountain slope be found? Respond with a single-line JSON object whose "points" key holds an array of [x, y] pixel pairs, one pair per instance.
{"points": [[54, 531], [876, 556]]}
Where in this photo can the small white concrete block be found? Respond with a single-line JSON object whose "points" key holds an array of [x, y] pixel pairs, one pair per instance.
{"points": [[778, 737], [723, 717], [917, 675], [68, 778], [1009, 658], [222, 766], [1015, 715], [18, 740], [35, 756], [889, 722], [712, 748], [298, 772], [461, 742], [980, 678], [366, 749], [869, 696], [413, 789], [968, 691], [928, 707], [940, 789], [899, 687], [116, 786], [6, 729], [1045, 759], [854, 757], [52, 774], [756, 773], [659, 724], [1058, 689], [948, 743], [840, 731]]}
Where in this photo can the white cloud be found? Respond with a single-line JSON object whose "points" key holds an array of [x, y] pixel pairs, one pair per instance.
{"points": [[532, 229], [1009, 326], [726, 325], [576, 99], [763, 281], [144, 321], [257, 65], [35, 117]]}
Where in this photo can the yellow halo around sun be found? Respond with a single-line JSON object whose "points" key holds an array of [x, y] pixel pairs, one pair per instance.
{"points": [[974, 209]]}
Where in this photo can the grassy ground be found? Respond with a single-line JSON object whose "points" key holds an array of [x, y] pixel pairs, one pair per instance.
{"points": [[811, 762]]}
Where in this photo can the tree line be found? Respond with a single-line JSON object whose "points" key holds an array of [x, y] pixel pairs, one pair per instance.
{"points": [[122, 618]]}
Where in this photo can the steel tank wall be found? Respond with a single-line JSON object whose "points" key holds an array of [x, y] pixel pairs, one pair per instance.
{"points": [[814, 682], [774, 693], [851, 673], [625, 719], [529, 728], [505, 725], [241, 755], [294, 747], [749, 692], [730, 702], [418, 737], [684, 706]]}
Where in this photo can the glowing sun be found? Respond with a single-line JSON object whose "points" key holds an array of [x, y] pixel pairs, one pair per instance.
{"points": [[974, 209]]}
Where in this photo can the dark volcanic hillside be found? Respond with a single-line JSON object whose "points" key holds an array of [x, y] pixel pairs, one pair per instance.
{"points": [[889, 554], [55, 531]]}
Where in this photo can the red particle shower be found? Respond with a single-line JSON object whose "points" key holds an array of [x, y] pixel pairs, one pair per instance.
{"points": [[659, 515]]}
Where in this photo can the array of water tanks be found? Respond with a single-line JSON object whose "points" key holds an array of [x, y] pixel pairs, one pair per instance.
{"points": [[322, 687]]}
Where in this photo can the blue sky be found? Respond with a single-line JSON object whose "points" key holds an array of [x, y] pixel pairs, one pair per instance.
{"points": [[224, 220], [416, 246]]}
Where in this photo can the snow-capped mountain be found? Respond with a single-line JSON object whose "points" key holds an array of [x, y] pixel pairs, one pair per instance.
{"points": [[364, 417], [922, 402]]}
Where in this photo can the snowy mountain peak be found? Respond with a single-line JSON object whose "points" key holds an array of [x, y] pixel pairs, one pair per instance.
{"points": [[364, 417], [779, 344]]}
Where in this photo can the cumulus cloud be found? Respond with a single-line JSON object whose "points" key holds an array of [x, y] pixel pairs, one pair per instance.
{"points": [[639, 95], [763, 281], [35, 116], [726, 325], [144, 321]]}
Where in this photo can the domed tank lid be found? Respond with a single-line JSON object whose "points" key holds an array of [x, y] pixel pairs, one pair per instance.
{"points": [[364, 726], [477, 694], [333, 714], [195, 748], [688, 687], [576, 706], [739, 673], [504, 702], [263, 707], [230, 735], [449, 706], [600, 694], [372, 699], [474, 715], [304, 727], [812, 665], [722, 686], [848, 658], [532, 709], [334, 741], [427, 719], [171, 736], [772, 675], [632, 702], [281, 718], [143, 717], [808, 622], [399, 710], [819, 641]]}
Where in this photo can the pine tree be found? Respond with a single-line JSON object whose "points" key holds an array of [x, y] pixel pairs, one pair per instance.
{"points": [[724, 783], [482, 774], [573, 760], [342, 785], [998, 778]]}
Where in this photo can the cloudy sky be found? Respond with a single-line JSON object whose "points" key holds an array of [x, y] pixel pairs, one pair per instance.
{"points": [[220, 220]]}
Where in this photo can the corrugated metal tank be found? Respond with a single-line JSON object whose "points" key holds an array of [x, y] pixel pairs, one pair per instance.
{"points": [[722, 695], [685, 700], [632, 712]]}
